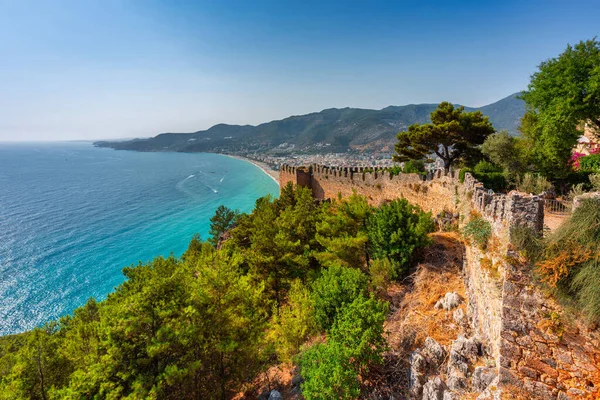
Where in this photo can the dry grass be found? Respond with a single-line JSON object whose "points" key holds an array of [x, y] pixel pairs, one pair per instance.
{"points": [[415, 317], [278, 377]]}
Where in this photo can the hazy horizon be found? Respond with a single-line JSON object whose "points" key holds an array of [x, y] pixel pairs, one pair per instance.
{"points": [[132, 69]]}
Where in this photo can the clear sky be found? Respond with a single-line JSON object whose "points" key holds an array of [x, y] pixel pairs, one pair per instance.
{"points": [[86, 69]]}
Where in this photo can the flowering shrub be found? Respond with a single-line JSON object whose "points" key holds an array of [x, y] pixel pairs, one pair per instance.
{"points": [[576, 157]]}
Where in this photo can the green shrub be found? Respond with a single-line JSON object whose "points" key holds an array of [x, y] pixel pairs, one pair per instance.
{"points": [[586, 287], [294, 323], [526, 241], [395, 170], [381, 274], [485, 167], [490, 175], [396, 230], [479, 231], [327, 374], [533, 183], [331, 370], [414, 167], [577, 190], [590, 163], [336, 287], [461, 174]]}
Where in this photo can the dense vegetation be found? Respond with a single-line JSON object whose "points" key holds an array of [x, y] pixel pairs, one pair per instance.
{"points": [[205, 324]]}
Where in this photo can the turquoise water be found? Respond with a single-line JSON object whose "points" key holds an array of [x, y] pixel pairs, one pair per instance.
{"points": [[72, 216]]}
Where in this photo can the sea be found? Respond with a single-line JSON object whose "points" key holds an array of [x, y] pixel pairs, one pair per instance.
{"points": [[73, 215]]}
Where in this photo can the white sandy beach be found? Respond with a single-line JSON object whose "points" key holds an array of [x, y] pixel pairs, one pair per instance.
{"points": [[264, 167]]}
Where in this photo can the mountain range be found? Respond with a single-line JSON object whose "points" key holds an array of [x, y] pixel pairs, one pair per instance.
{"points": [[331, 130]]}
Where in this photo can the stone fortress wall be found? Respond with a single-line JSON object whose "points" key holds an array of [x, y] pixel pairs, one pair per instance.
{"points": [[513, 317]]}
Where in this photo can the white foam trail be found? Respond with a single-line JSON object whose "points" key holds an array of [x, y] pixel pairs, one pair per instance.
{"points": [[221, 179], [212, 188]]}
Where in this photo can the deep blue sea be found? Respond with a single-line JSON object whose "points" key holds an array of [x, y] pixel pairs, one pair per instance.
{"points": [[72, 216]]}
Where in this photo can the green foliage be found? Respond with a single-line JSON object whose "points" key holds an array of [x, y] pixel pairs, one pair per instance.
{"points": [[336, 287], [396, 231], [533, 183], [508, 152], [586, 289], [414, 167], [331, 370], [490, 175], [590, 163], [453, 135], [527, 241], [279, 238], [577, 190], [479, 231], [381, 273], [342, 232], [221, 222], [562, 94], [294, 323], [462, 172]]}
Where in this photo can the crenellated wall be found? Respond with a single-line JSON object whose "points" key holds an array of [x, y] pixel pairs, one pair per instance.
{"points": [[510, 313]]}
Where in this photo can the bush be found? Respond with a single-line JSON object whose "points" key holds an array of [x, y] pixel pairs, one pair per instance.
{"points": [[294, 323], [336, 287], [485, 167], [490, 175], [396, 230], [331, 370], [381, 274], [533, 183], [414, 167], [526, 241], [577, 190], [461, 174], [479, 231], [590, 163]]}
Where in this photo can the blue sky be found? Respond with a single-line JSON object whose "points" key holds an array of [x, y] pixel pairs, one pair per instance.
{"points": [[87, 69]]}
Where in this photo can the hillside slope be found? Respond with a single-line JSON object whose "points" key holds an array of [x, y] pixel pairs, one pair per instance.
{"points": [[331, 130]]}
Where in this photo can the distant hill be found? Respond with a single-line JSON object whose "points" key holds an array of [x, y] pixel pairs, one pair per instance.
{"points": [[331, 130]]}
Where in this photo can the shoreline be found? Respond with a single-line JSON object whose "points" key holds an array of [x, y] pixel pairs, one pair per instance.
{"points": [[260, 165]]}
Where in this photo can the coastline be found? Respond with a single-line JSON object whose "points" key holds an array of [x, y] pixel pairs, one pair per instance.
{"points": [[262, 166]]}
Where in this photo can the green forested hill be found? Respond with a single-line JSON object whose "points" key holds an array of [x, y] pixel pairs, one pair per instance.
{"points": [[330, 130]]}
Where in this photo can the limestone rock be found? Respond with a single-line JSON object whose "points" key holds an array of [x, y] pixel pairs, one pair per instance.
{"points": [[418, 368], [457, 382], [482, 377], [435, 351], [462, 353], [459, 316], [449, 395], [450, 301], [275, 395], [468, 348], [434, 389], [492, 392]]}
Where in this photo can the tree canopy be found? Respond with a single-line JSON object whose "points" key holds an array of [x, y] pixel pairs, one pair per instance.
{"points": [[562, 97], [453, 135]]}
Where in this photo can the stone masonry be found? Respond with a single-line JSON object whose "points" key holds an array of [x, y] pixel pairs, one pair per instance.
{"points": [[534, 350]]}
